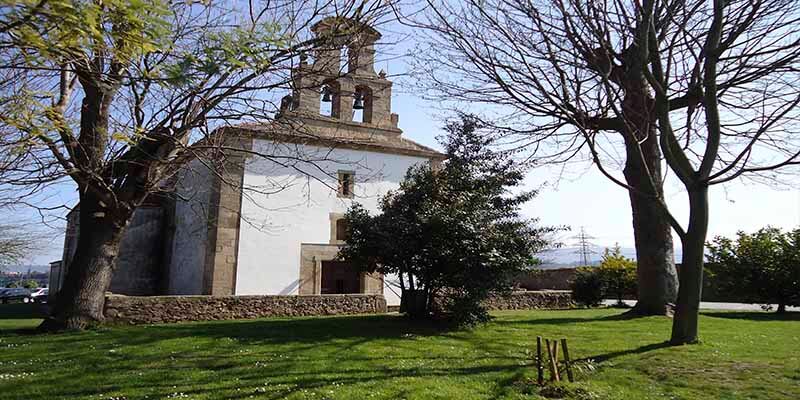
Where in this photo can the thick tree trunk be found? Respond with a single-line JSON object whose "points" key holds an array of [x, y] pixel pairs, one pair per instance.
{"points": [[656, 275], [415, 302], [684, 325], [81, 299], [80, 302]]}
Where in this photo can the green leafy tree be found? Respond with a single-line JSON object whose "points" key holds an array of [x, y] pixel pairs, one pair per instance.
{"points": [[29, 284], [453, 234], [617, 274], [116, 96], [762, 267]]}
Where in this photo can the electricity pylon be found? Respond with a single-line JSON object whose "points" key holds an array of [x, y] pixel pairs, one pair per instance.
{"points": [[584, 246]]}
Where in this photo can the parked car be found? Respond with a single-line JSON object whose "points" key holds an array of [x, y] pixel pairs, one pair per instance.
{"points": [[15, 294], [39, 295]]}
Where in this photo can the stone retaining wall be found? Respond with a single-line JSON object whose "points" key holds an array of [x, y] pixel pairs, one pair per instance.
{"points": [[160, 309], [531, 300], [547, 279]]}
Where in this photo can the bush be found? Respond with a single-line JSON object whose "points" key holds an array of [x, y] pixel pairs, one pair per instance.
{"points": [[27, 284], [463, 311], [618, 275], [763, 267], [614, 278], [587, 287]]}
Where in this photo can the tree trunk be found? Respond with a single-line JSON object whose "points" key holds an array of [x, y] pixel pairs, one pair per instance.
{"points": [[656, 275], [781, 308], [657, 280], [80, 301], [403, 299], [416, 303], [684, 325]]}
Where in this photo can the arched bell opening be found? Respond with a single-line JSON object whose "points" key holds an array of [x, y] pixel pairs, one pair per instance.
{"points": [[362, 105], [330, 100]]}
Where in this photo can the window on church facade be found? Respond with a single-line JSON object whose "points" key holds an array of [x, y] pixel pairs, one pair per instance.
{"points": [[346, 184], [341, 229]]}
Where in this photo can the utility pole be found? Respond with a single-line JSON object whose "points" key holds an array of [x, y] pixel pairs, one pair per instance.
{"points": [[584, 246]]}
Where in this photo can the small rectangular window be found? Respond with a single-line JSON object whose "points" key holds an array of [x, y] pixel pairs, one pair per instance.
{"points": [[341, 229], [346, 183]]}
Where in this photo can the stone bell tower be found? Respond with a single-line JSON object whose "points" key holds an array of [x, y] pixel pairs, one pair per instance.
{"points": [[342, 74]]}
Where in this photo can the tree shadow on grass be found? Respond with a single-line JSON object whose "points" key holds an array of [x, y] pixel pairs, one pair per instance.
{"points": [[293, 368], [260, 331], [312, 380], [21, 311], [20, 332], [620, 353], [556, 321], [357, 329], [753, 315], [285, 378], [284, 345]]}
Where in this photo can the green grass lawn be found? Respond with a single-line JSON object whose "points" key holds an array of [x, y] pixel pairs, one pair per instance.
{"points": [[743, 356]]}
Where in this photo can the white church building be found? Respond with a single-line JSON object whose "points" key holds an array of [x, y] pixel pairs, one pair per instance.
{"points": [[269, 221]]}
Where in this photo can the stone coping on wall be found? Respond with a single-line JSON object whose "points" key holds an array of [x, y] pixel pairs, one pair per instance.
{"points": [[136, 310]]}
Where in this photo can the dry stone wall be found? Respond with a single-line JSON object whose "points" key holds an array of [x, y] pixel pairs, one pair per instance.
{"points": [[547, 279], [163, 309], [531, 300], [136, 310]]}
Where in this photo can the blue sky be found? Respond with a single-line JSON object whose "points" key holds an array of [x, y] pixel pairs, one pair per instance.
{"points": [[581, 196], [577, 196]]}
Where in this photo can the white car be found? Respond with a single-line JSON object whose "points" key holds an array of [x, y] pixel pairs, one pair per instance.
{"points": [[38, 295]]}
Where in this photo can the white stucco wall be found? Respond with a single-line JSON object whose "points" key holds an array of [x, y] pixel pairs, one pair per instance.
{"points": [[191, 229], [284, 207]]}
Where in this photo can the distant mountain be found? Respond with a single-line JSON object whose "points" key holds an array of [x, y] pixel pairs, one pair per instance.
{"points": [[565, 257], [25, 268]]}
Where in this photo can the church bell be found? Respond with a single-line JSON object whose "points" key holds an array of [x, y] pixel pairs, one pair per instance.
{"points": [[326, 94], [358, 103]]}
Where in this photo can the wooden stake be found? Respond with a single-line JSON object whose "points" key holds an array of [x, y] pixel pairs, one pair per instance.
{"points": [[550, 359], [567, 360], [539, 366], [555, 360]]}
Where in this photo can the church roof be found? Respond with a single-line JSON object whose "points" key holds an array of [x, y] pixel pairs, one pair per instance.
{"points": [[326, 132]]}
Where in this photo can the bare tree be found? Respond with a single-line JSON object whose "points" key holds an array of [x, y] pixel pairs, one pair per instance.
{"points": [[545, 67], [16, 242], [118, 97], [744, 58], [710, 85]]}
